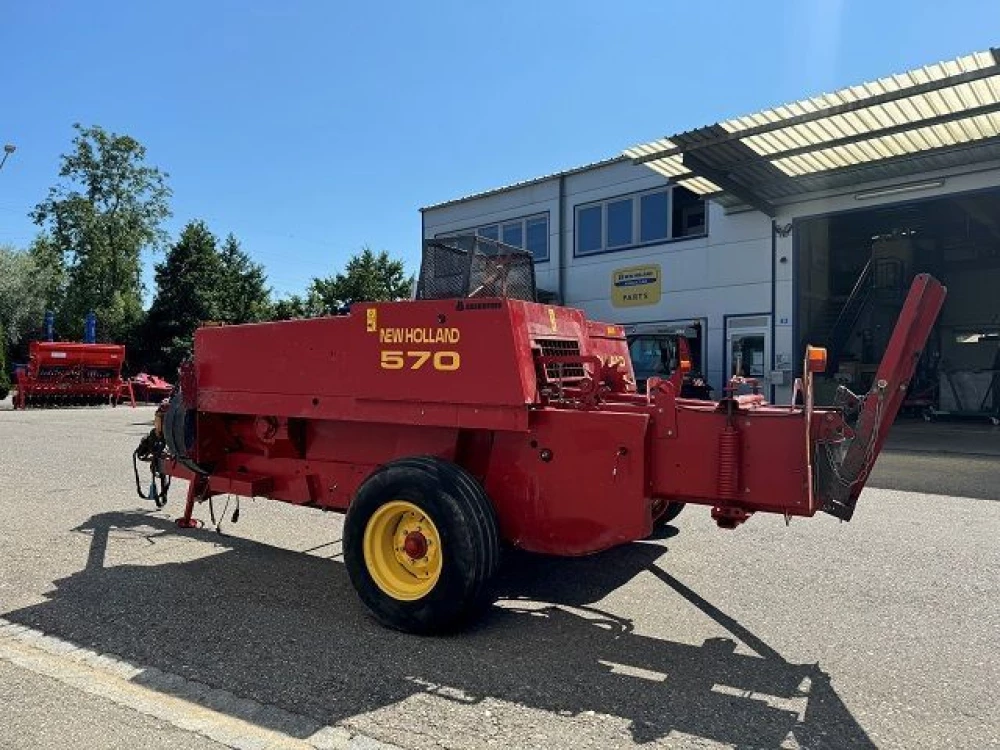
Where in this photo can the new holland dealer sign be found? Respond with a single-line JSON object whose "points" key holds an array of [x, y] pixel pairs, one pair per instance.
{"points": [[635, 286]]}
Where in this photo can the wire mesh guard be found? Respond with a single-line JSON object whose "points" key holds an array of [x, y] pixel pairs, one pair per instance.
{"points": [[473, 266]]}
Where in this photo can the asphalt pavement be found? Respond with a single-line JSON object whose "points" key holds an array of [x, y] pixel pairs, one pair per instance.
{"points": [[881, 632], [40, 711]]}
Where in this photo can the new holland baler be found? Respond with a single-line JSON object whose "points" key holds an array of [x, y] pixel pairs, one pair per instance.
{"points": [[450, 425]]}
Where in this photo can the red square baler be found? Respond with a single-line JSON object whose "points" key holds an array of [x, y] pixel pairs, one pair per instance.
{"points": [[445, 427]]}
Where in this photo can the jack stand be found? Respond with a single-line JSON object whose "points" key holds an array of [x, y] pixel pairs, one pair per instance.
{"points": [[197, 490]]}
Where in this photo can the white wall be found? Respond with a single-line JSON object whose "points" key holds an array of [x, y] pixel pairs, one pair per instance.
{"points": [[956, 180], [727, 272]]}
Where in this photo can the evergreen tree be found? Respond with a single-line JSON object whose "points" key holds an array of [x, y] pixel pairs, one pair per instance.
{"points": [[186, 297], [243, 294], [289, 308], [368, 277]]}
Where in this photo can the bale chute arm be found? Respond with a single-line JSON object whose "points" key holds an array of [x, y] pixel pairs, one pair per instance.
{"points": [[742, 455], [841, 471]]}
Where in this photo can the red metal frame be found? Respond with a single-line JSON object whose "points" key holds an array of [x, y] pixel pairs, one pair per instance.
{"points": [[537, 402], [60, 371], [148, 387]]}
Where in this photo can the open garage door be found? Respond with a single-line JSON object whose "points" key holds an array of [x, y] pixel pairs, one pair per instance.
{"points": [[852, 271]]}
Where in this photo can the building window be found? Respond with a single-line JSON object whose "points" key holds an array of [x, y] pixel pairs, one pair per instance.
{"points": [[513, 234], [689, 213], [537, 233], [590, 229], [530, 233], [654, 216], [669, 213], [620, 223]]}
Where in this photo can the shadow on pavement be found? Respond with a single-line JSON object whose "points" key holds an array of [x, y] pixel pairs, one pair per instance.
{"points": [[285, 628]]}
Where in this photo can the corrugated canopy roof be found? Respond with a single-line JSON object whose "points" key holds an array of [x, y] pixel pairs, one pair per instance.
{"points": [[937, 116]]}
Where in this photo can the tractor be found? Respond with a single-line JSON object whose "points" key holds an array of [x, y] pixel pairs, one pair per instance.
{"points": [[659, 349]]}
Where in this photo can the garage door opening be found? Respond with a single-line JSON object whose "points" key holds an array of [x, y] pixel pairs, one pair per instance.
{"points": [[853, 271]]}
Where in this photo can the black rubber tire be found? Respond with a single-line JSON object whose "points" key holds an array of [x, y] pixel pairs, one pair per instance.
{"points": [[470, 543], [673, 510], [180, 432]]}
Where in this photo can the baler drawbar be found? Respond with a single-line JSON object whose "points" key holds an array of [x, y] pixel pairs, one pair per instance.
{"points": [[445, 427]]}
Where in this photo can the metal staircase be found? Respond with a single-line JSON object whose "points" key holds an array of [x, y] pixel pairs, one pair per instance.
{"points": [[881, 281]]}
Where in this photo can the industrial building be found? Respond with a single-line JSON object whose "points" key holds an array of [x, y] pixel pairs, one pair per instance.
{"points": [[801, 223]]}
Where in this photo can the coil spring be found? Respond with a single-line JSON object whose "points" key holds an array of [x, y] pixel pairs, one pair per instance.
{"points": [[729, 462]]}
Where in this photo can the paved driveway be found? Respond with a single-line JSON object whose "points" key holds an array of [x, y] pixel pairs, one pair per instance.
{"points": [[880, 632]]}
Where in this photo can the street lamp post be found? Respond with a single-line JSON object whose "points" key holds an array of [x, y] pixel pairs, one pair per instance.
{"points": [[9, 149]]}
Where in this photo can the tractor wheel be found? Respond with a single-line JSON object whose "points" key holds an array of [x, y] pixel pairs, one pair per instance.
{"points": [[421, 544], [673, 510]]}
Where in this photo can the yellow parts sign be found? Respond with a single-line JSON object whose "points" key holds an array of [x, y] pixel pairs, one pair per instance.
{"points": [[635, 286]]}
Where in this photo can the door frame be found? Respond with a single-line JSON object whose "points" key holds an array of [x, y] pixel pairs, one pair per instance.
{"points": [[765, 327]]}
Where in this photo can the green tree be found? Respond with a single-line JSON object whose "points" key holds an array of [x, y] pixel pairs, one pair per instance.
{"points": [[243, 294], [49, 270], [289, 308], [368, 277], [25, 286], [108, 206], [4, 375], [186, 297]]}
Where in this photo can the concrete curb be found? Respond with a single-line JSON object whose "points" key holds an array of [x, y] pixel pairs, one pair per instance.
{"points": [[191, 706]]}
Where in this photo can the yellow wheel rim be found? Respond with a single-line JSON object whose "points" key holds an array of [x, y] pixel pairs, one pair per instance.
{"points": [[403, 550]]}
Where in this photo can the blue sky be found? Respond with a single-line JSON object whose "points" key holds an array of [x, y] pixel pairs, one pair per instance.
{"points": [[312, 128]]}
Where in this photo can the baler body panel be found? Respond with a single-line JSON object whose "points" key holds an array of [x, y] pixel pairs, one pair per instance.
{"points": [[325, 463], [771, 462], [575, 484], [455, 363], [434, 362]]}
